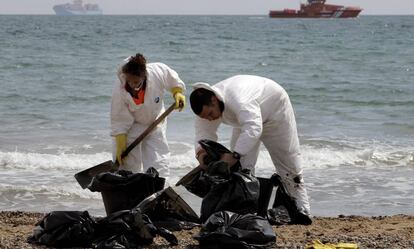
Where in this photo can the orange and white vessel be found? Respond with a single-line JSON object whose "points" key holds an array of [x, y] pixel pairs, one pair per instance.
{"points": [[317, 9]]}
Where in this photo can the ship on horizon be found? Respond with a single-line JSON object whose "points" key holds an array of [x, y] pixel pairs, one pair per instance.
{"points": [[77, 8], [317, 9]]}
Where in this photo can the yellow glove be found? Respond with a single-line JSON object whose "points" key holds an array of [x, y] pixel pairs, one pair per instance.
{"points": [[346, 246], [316, 244], [179, 97], [121, 144]]}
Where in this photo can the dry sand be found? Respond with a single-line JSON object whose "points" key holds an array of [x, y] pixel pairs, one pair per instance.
{"points": [[368, 232]]}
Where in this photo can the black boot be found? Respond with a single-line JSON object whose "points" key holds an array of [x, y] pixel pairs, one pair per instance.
{"points": [[285, 210]]}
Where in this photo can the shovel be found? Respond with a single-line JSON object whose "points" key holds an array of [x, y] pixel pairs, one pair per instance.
{"points": [[214, 151], [85, 177], [189, 177]]}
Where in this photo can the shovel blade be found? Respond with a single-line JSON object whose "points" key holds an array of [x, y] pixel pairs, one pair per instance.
{"points": [[189, 176], [85, 177]]}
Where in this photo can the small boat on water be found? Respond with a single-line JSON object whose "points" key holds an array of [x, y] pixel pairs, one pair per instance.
{"points": [[317, 9], [77, 8]]}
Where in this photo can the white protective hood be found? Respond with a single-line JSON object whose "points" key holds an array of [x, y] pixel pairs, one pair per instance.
{"points": [[124, 112], [249, 101]]}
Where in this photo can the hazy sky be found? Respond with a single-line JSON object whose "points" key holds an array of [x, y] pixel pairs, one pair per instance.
{"points": [[250, 7]]}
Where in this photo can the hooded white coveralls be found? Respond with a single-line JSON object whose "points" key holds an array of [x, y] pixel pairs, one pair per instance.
{"points": [[259, 109], [131, 119]]}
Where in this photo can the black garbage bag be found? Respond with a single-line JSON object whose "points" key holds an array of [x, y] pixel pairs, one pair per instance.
{"points": [[128, 229], [235, 191], [118, 241], [64, 229], [221, 188], [123, 190], [284, 209], [230, 230], [214, 151], [199, 184], [167, 209]]}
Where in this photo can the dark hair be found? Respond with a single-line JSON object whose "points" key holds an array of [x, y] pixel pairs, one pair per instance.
{"points": [[136, 66], [200, 97]]}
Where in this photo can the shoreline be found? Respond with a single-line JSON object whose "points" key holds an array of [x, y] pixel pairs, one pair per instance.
{"points": [[396, 231]]}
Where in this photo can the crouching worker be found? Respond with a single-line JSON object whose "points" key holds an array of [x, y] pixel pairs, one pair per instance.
{"points": [[259, 110], [137, 101]]}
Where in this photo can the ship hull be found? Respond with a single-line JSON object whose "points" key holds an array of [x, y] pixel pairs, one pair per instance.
{"points": [[60, 10], [336, 14]]}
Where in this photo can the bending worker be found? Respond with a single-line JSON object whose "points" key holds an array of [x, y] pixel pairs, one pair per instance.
{"points": [[259, 110], [137, 101]]}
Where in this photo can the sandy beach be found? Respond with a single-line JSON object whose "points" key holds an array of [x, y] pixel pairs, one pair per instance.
{"points": [[395, 232]]}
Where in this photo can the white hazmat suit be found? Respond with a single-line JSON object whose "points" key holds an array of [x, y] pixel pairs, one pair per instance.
{"points": [[132, 119], [259, 110]]}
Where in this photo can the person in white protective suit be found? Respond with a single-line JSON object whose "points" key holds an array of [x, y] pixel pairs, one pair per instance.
{"points": [[137, 101], [259, 110]]}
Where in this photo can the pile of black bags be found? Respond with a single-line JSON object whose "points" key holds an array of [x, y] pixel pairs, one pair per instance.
{"points": [[237, 190], [233, 209], [65, 229], [221, 188], [127, 224], [229, 205], [122, 229]]}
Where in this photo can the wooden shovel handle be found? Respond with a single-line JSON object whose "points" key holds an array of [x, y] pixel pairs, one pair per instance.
{"points": [[146, 132]]}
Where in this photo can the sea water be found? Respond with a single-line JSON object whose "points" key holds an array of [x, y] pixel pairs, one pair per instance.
{"points": [[351, 82]]}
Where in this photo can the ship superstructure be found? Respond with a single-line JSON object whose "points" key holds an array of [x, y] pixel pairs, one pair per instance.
{"points": [[77, 8]]}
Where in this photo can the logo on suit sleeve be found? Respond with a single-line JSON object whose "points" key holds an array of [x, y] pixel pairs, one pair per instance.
{"points": [[157, 99]]}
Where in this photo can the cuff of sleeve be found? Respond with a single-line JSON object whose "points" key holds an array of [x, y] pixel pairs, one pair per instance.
{"points": [[176, 90], [240, 150]]}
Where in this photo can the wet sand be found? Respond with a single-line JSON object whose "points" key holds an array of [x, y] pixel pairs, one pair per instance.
{"points": [[368, 232]]}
